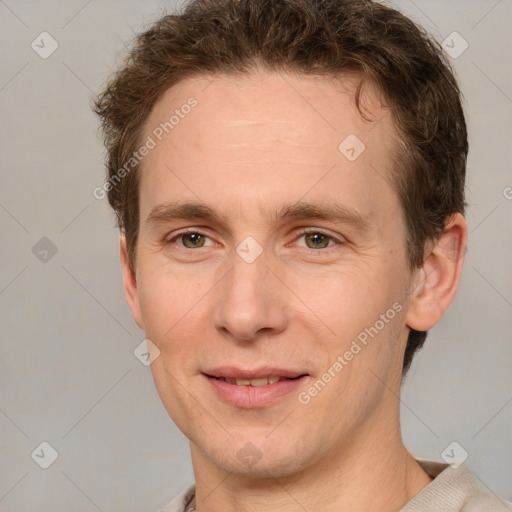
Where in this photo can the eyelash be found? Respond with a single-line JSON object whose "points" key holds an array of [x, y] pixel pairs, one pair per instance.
{"points": [[303, 232]]}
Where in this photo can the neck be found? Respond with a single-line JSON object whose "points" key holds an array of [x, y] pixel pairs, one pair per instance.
{"points": [[371, 471]]}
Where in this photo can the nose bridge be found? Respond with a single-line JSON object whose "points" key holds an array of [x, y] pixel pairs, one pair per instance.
{"points": [[246, 278], [250, 301]]}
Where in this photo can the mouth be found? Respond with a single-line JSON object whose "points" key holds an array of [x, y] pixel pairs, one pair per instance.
{"points": [[256, 383], [253, 388]]}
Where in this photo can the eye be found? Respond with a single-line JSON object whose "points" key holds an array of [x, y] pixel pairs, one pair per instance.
{"points": [[315, 239], [190, 239], [193, 239]]}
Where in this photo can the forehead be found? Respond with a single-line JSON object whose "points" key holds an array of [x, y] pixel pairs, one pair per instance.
{"points": [[270, 135]]}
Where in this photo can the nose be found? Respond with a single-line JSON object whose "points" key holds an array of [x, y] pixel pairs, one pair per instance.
{"points": [[251, 301]]}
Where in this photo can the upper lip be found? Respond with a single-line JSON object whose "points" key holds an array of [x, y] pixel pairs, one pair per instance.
{"points": [[232, 372]]}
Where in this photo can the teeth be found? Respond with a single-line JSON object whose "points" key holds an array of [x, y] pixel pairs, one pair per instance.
{"points": [[259, 382], [252, 382]]}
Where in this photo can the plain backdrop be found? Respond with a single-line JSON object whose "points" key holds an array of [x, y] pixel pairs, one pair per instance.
{"points": [[68, 373]]}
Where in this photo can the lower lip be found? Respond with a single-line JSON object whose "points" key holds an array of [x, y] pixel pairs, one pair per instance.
{"points": [[252, 397]]}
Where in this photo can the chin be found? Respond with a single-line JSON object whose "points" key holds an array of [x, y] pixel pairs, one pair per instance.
{"points": [[261, 458]]}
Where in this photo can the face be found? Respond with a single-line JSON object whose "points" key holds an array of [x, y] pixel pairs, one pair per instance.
{"points": [[271, 245]]}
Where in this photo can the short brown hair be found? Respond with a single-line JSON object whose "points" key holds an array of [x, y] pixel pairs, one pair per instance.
{"points": [[314, 37]]}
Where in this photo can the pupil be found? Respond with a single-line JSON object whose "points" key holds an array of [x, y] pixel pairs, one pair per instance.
{"points": [[317, 239], [194, 238]]}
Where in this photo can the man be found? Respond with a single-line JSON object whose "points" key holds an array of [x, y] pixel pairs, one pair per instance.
{"points": [[288, 177]]}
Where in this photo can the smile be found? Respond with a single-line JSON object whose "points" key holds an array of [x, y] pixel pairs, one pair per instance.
{"points": [[253, 382], [252, 389]]}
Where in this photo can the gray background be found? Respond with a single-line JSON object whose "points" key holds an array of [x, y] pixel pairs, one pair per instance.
{"points": [[68, 374]]}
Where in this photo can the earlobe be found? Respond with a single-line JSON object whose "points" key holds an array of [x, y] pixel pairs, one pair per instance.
{"points": [[437, 281], [131, 291]]}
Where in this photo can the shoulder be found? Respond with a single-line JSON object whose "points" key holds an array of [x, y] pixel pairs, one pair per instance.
{"points": [[181, 502], [486, 502], [453, 489]]}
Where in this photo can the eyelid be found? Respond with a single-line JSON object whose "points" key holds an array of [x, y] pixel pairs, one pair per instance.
{"points": [[321, 231]]}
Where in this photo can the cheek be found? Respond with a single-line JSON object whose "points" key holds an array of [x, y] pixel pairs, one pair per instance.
{"points": [[362, 316], [344, 300], [336, 305], [170, 304]]}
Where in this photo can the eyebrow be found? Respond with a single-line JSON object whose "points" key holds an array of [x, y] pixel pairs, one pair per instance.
{"points": [[192, 210]]}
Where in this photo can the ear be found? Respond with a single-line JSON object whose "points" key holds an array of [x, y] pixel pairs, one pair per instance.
{"points": [[436, 283], [130, 283]]}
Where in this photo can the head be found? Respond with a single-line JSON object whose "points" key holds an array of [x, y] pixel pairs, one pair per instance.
{"points": [[260, 119]]}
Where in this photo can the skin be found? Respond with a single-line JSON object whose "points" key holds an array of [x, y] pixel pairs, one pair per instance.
{"points": [[250, 146]]}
